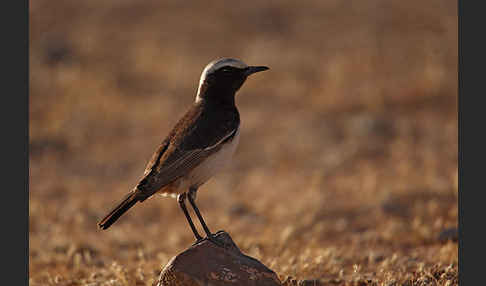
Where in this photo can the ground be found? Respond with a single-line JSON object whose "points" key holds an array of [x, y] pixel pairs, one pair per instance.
{"points": [[346, 172]]}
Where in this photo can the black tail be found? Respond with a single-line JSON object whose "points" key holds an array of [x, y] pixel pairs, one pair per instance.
{"points": [[130, 200]]}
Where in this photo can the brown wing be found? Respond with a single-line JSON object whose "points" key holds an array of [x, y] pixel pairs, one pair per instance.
{"points": [[192, 140]]}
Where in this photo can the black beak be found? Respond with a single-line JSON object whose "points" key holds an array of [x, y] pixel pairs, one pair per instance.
{"points": [[251, 70]]}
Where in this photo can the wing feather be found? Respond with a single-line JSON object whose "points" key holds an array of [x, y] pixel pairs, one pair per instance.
{"points": [[178, 164]]}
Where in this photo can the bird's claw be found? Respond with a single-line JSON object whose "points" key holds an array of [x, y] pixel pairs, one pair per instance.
{"points": [[211, 238]]}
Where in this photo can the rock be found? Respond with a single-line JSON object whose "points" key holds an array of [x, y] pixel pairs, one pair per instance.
{"points": [[209, 264]]}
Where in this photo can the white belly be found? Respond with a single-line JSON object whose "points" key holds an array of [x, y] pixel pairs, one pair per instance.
{"points": [[210, 166]]}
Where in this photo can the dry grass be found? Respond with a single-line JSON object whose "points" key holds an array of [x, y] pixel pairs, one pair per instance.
{"points": [[350, 182]]}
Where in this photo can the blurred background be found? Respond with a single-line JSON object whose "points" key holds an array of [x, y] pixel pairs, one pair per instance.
{"points": [[352, 178]]}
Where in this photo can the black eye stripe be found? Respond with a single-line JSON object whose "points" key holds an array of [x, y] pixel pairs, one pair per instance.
{"points": [[227, 69]]}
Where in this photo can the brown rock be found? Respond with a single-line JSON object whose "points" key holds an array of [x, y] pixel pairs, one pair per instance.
{"points": [[209, 264]]}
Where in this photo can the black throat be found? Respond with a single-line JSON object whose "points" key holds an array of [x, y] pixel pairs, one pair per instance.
{"points": [[219, 95]]}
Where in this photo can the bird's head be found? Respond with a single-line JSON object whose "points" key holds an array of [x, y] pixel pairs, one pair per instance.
{"points": [[223, 77]]}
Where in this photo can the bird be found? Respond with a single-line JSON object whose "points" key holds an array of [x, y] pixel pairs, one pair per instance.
{"points": [[200, 145]]}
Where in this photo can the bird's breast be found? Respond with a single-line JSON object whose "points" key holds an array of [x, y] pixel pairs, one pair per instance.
{"points": [[214, 163]]}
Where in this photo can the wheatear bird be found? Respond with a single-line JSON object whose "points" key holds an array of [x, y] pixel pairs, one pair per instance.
{"points": [[199, 145]]}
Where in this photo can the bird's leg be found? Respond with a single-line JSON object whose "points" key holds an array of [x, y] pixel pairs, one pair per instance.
{"points": [[192, 196], [181, 198]]}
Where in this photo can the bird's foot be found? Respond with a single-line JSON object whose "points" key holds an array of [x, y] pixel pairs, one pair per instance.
{"points": [[198, 240], [213, 239]]}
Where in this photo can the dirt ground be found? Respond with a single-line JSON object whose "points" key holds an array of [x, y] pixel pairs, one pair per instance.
{"points": [[346, 172]]}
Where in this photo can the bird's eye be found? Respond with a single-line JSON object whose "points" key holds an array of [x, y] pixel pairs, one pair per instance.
{"points": [[225, 70]]}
